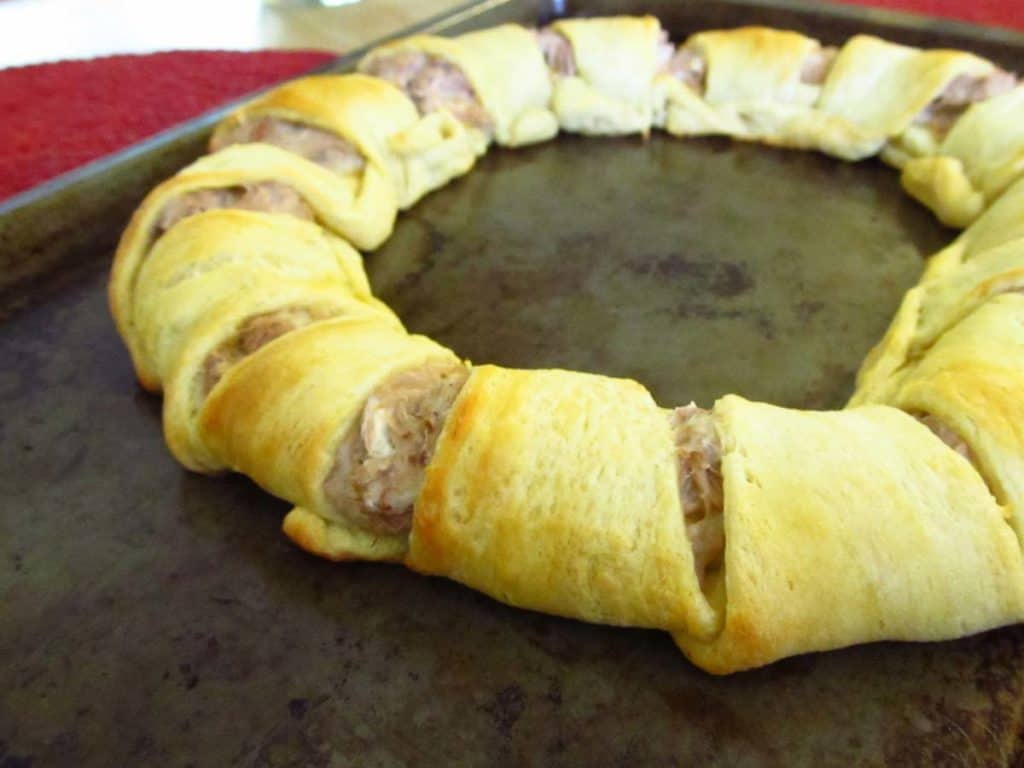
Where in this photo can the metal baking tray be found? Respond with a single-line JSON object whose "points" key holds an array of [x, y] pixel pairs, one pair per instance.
{"points": [[149, 616]]}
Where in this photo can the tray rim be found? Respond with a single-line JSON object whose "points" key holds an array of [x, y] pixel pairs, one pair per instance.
{"points": [[464, 12], [111, 160]]}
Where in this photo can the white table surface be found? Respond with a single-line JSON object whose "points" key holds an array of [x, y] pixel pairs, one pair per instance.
{"points": [[33, 31]]}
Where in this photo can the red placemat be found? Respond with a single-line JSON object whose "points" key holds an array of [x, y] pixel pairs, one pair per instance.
{"points": [[1004, 13], [59, 116]]}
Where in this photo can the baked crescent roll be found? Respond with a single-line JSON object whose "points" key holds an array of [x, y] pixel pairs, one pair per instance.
{"points": [[942, 299], [604, 71], [749, 532], [1001, 223], [509, 87], [751, 83], [255, 177], [282, 415], [226, 257], [320, 116], [558, 491], [948, 297], [970, 382], [893, 95], [849, 527], [949, 289], [982, 154], [221, 285]]}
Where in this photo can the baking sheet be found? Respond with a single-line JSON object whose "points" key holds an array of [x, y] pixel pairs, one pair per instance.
{"points": [[153, 617]]}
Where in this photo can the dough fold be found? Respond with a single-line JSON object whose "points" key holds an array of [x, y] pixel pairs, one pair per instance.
{"points": [[507, 72], [612, 91], [218, 271], [752, 89], [332, 200], [280, 415], [850, 527], [415, 155], [971, 380], [557, 491]]}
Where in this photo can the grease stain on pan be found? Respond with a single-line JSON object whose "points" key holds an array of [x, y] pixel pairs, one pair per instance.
{"points": [[696, 270]]}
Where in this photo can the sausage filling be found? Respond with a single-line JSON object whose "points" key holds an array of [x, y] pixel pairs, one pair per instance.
{"points": [[315, 144], [961, 93], [557, 52], [256, 332], [817, 65], [433, 84], [688, 66], [699, 457], [946, 434], [380, 466], [268, 196]]}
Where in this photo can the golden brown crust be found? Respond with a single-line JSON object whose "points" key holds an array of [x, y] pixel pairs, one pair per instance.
{"points": [[332, 541], [557, 491], [884, 533], [560, 491], [613, 89]]}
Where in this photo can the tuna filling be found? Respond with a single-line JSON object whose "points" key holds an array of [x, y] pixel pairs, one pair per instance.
{"points": [[315, 144], [699, 457], [817, 65], [961, 92], [254, 333], [267, 196], [380, 466], [689, 66], [433, 84], [947, 435]]}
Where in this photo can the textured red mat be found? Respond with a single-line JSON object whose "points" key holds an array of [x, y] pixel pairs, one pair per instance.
{"points": [[59, 116], [1004, 13]]}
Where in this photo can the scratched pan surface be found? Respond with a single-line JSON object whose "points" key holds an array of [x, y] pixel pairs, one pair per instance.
{"points": [[153, 617]]}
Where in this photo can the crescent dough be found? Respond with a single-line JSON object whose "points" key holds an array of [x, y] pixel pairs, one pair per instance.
{"points": [[613, 90], [980, 262], [213, 272], [880, 87], [749, 532], [331, 197], [980, 157], [507, 72], [222, 256], [753, 88], [556, 491], [891, 536], [971, 379], [415, 154], [279, 415]]}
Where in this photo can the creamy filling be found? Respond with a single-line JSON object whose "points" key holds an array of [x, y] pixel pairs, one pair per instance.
{"points": [[689, 66], [663, 52], [699, 461], [268, 196], [817, 65], [315, 144], [433, 84], [961, 93], [380, 465], [254, 333], [947, 434], [557, 52]]}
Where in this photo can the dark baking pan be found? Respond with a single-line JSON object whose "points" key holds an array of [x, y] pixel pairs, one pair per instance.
{"points": [[154, 617]]}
